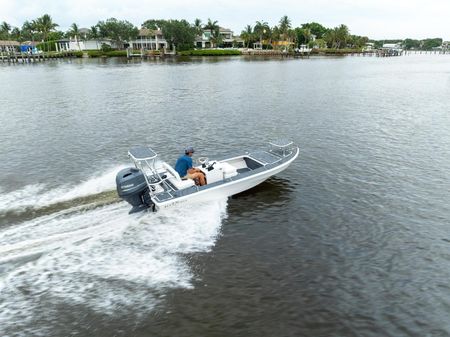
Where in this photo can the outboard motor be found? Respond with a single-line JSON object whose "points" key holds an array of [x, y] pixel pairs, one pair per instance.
{"points": [[132, 187]]}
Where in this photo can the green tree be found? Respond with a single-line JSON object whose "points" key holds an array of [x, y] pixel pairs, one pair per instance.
{"points": [[56, 35], [15, 34], [214, 29], [179, 33], [330, 38], [93, 33], [275, 33], [315, 28], [337, 37], [307, 35], [118, 31], [45, 25], [411, 44], [262, 31], [73, 30], [357, 41], [291, 36], [29, 31], [300, 36], [284, 26], [4, 30], [247, 35], [343, 36], [198, 27], [320, 43], [153, 24], [429, 44], [216, 38]]}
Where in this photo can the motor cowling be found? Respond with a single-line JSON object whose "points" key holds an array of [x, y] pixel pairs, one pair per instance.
{"points": [[132, 187]]}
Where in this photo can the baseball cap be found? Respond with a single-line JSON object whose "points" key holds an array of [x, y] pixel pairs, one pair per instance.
{"points": [[189, 149]]}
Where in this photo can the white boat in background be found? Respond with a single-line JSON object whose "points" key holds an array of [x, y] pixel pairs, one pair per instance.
{"points": [[154, 184]]}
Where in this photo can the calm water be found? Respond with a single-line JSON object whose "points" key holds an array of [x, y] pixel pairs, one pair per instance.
{"points": [[352, 240]]}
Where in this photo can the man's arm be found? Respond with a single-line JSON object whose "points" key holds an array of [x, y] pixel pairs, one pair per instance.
{"points": [[189, 163]]}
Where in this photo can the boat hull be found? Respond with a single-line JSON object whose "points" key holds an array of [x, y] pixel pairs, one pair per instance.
{"points": [[227, 189]]}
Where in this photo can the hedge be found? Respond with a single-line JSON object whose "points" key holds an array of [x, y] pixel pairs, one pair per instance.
{"points": [[99, 53], [209, 52], [47, 46]]}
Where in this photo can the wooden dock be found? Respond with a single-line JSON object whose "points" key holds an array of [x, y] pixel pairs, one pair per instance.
{"points": [[305, 53], [16, 57], [430, 52]]}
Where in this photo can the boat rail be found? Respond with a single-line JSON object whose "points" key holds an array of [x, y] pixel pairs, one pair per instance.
{"points": [[145, 159], [281, 146]]}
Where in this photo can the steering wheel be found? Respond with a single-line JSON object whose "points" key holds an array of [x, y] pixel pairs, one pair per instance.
{"points": [[203, 161]]}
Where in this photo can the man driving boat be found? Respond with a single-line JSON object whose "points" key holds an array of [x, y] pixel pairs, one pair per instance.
{"points": [[185, 169]]}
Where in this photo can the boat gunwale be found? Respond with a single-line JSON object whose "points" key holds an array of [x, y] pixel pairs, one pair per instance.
{"points": [[229, 181]]}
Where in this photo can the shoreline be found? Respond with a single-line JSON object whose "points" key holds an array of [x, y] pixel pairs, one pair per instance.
{"points": [[257, 54]]}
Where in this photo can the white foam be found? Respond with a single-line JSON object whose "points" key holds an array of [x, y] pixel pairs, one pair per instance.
{"points": [[37, 196], [104, 259]]}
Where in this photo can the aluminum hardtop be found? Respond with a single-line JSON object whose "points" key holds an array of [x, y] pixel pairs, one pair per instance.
{"points": [[139, 153]]}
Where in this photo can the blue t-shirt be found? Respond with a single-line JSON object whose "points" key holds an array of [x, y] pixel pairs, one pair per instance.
{"points": [[184, 163]]}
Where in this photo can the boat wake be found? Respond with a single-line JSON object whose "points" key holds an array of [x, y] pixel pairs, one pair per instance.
{"points": [[37, 196], [96, 257]]}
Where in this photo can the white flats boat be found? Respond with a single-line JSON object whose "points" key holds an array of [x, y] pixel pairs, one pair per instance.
{"points": [[154, 184]]}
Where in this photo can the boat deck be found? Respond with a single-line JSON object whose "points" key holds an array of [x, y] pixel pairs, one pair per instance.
{"points": [[265, 157], [268, 159]]}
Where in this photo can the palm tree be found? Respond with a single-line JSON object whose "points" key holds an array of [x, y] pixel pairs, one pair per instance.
{"points": [[330, 38], [214, 29], [275, 33], [198, 27], [28, 30], [93, 32], [45, 25], [74, 30], [247, 35], [262, 29], [343, 34], [4, 29], [307, 35], [292, 36], [15, 34], [216, 38], [260, 26], [284, 25]]}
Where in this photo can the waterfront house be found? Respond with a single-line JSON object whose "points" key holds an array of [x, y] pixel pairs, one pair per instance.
{"points": [[7, 46], [228, 40], [79, 45], [283, 44], [149, 39]]}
